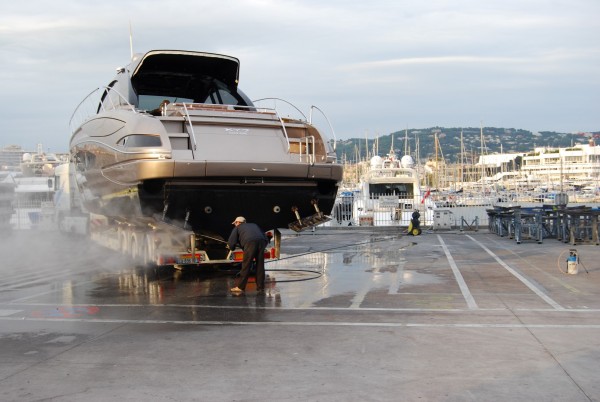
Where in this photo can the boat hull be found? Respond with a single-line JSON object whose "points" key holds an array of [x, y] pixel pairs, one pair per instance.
{"points": [[195, 190], [186, 196]]}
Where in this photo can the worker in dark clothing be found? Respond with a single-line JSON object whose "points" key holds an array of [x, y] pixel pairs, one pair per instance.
{"points": [[415, 219], [253, 241], [414, 228]]}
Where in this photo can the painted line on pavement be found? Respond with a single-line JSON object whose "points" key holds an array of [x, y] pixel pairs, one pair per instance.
{"points": [[359, 297], [396, 277], [520, 277], [458, 276], [58, 289], [311, 308], [310, 323], [32, 279], [4, 313]]}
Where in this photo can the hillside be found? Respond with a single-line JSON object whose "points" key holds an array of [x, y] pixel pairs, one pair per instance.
{"points": [[507, 140]]}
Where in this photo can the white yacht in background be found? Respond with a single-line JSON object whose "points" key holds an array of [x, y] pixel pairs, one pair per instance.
{"points": [[389, 192], [40, 163], [33, 202], [7, 191]]}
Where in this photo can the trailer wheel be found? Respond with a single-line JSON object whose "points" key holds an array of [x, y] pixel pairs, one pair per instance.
{"points": [[123, 243], [134, 250], [147, 251]]}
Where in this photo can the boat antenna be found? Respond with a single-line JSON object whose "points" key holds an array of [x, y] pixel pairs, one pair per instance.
{"points": [[462, 158], [130, 40], [376, 145], [483, 167], [367, 145]]}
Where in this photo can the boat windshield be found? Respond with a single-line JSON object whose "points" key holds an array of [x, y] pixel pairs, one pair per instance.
{"points": [[149, 102], [188, 77], [214, 94]]}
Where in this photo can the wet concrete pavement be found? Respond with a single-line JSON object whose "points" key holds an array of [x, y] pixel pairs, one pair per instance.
{"points": [[348, 315]]}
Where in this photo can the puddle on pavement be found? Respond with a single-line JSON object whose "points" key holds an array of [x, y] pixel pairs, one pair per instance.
{"points": [[296, 280]]}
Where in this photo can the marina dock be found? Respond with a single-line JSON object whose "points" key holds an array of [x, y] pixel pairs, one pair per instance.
{"points": [[349, 314]]}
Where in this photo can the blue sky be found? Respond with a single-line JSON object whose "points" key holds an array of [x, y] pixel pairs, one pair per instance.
{"points": [[373, 67]]}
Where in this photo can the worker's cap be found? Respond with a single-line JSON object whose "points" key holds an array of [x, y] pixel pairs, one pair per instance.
{"points": [[239, 219]]}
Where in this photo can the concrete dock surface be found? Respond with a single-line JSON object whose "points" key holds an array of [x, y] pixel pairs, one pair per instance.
{"points": [[349, 315]]}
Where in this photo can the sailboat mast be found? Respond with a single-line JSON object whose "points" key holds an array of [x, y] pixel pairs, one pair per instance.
{"points": [[437, 166], [482, 159], [462, 158]]}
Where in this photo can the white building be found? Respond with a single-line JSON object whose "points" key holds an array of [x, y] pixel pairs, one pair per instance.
{"points": [[577, 165]]}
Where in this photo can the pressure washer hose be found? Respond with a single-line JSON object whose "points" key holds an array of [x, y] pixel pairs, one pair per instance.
{"points": [[317, 273], [559, 259]]}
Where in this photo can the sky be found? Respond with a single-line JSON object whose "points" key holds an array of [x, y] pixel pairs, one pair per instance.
{"points": [[373, 67]]}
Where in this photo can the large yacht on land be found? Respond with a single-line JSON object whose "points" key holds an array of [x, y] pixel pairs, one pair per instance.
{"points": [[172, 138]]}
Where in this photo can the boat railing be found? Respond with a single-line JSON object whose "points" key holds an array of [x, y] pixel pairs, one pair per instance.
{"points": [[309, 146], [391, 173], [303, 117], [275, 100], [275, 110], [287, 137], [187, 109], [189, 120], [304, 146], [100, 99], [313, 107], [192, 108]]}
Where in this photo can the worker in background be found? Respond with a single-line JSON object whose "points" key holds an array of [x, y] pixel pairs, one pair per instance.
{"points": [[415, 219], [414, 228], [253, 241]]}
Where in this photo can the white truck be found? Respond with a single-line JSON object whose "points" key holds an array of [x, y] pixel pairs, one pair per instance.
{"points": [[148, 241]]}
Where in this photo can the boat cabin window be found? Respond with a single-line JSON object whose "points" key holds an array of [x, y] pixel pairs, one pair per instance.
{"points": [[140, 140], [403, 189], [33, 199]]}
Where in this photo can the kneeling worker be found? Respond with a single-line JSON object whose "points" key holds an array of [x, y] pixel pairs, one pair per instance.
{"points": [[253, 241]]}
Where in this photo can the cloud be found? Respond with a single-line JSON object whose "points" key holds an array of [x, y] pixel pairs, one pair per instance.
{"points": [[432, 60], [377, 66]]}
